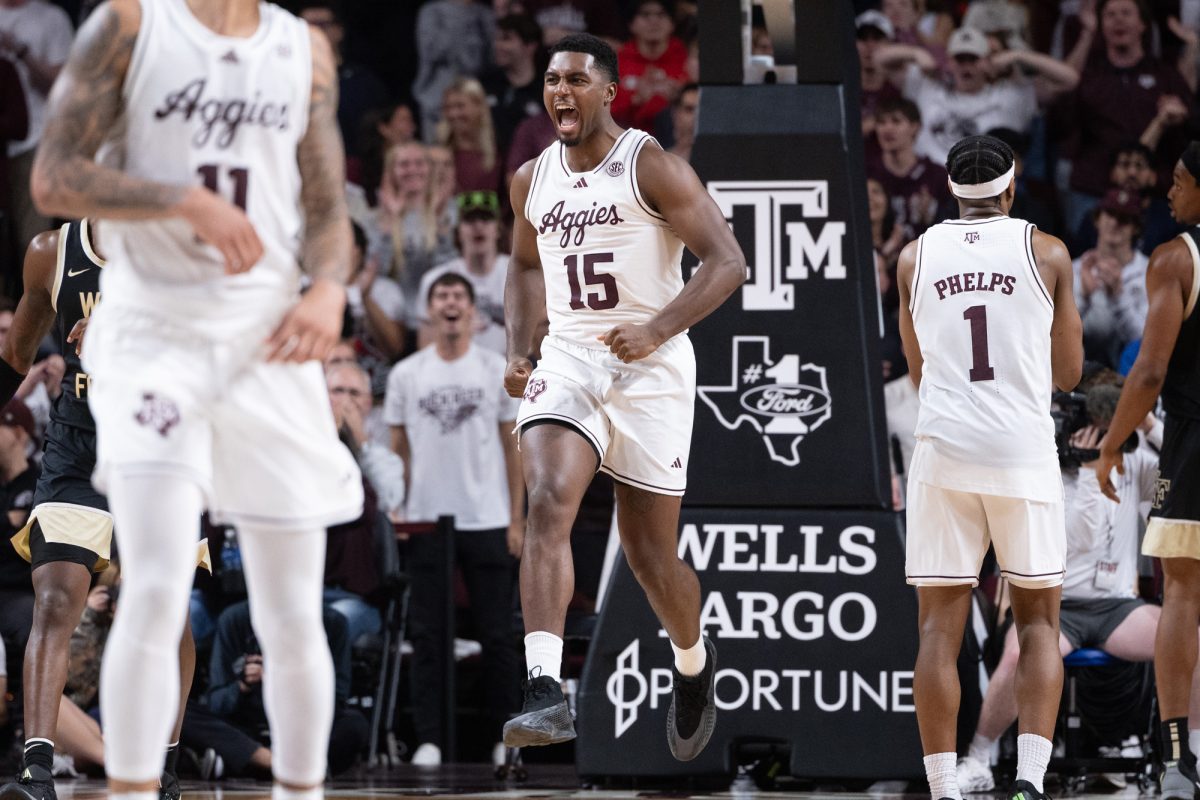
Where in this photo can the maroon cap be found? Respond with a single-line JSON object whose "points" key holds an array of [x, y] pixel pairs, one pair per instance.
{"points": [[16, 414], [1123, 204]]}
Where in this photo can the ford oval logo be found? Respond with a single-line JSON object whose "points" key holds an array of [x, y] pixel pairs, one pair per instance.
{"points": [[790, 400]]}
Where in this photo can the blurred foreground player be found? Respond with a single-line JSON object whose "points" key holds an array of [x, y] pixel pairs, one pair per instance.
{"points": [[206, 384]]}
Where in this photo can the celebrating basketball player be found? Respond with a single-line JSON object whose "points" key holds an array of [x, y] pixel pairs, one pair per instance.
{"points": [[989, 327], [603, 215], [1169, 362], [69, 532], [221, 179]]}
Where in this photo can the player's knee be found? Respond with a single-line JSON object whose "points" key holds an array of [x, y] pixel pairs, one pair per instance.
{"points": [[54, 606], [550, 507]]}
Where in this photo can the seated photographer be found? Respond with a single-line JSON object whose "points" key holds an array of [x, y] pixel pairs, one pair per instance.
{"points": [[236, 724], [1100, 606]]}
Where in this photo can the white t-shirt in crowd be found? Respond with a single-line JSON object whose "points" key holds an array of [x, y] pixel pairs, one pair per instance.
{"points": [[47, 30], [452, 412], [489, 299], [947, 115], [1101, 531]]}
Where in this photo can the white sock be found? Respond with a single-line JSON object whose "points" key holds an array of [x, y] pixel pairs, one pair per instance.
{"points": [[942, 774], [280, 792], [981, 748], [133, 795], [543, 654], [285, 574], [690, 661], [1033, 756], [1194, 741]]}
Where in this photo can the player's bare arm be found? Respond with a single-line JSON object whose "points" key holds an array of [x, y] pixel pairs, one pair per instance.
{"points": [[906, 268], [672, 188], [83, 109], [34, 315], [1066, 331], [313, 325], [1168, 281], [524, 288]]}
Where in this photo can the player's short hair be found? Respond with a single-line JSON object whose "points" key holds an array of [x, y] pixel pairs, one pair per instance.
{"points": [[899, 105], [605, 57], [978, 159], [451, 279], [1191, 160]]}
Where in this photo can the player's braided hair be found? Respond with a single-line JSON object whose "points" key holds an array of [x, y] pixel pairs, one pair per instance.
{"points": [[978, 159]]}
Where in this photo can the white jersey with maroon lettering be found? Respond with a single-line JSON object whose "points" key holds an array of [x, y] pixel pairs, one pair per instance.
{"points": [[607, 257], [228, 113], [982, 316]]}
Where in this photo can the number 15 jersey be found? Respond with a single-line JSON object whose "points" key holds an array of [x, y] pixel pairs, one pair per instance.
{"points": [[982, 316], [607, 257]]}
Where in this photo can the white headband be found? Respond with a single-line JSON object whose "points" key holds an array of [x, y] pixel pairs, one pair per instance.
{"points": [[982, 191]]}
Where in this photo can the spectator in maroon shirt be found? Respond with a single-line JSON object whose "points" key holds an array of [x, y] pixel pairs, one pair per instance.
{"points": [[14, 126], [916, 187], [1124, 94], [652, 65]]}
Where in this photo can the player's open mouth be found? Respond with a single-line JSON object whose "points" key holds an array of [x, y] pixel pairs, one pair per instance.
{"points": [[567, 117]]}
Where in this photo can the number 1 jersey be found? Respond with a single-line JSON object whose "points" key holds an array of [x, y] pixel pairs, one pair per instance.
{"points": [[982, 316], [226, 113], [607, 257]]}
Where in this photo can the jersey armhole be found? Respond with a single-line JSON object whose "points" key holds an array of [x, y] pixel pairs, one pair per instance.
{"points": [[138, 57], [912, 300], [533, 183], [1037, 276], [1195, 292], [60, 264], [633, 182]]}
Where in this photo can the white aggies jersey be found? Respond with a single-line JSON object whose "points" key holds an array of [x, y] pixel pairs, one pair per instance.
{"points": [[607, 258], [228, 113], [983, 316]]}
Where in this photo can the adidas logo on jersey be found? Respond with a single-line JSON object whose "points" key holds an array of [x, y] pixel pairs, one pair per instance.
{"points": [[230, 58], [677, 464], [580, 184]]}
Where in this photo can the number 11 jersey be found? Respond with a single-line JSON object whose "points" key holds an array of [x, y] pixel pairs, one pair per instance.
{"points": [[607, 257], [982, 316], [223, 112]]}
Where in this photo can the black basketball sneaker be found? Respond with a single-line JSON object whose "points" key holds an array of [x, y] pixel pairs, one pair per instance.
{"points": [[693, 712], [544, 717]]}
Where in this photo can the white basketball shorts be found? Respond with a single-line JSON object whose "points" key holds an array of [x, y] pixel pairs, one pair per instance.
{"points": [[948, 532], [258, 438], [637, 416]]}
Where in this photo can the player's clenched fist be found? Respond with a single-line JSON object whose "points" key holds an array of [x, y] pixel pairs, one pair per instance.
{"points": [[630, 342], [516, 376]]}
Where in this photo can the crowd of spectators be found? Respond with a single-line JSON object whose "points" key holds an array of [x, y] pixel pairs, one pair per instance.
{"points": [[1097, 99]]}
